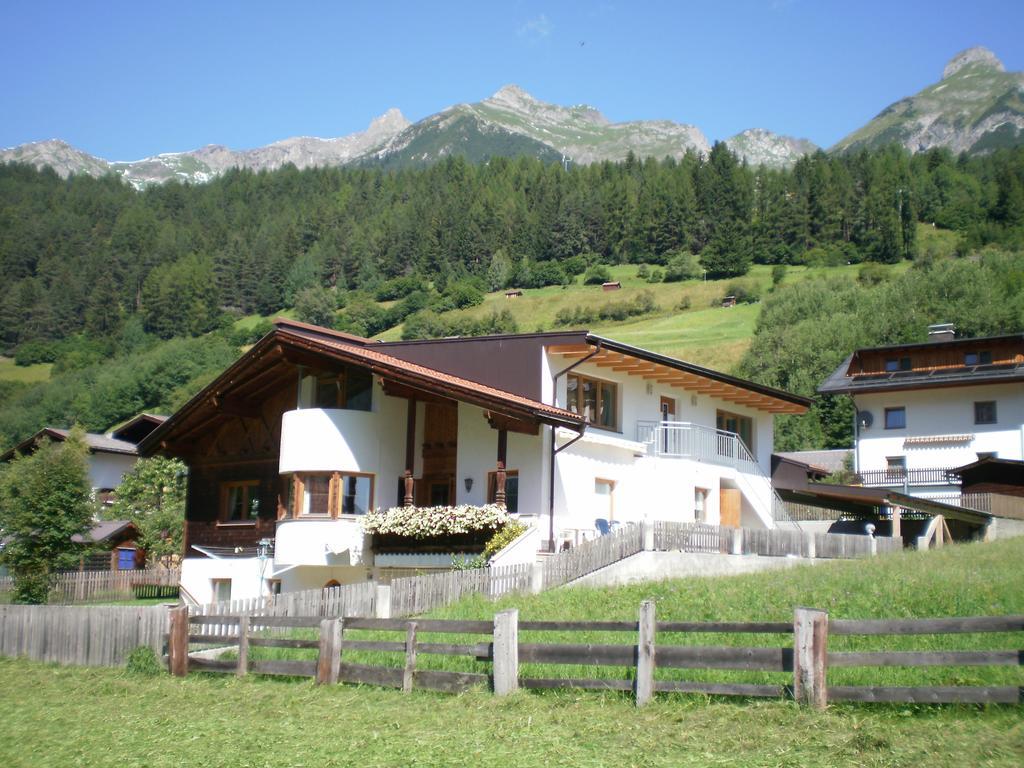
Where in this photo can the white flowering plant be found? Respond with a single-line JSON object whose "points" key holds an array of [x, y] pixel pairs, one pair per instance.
{"points": [[435, 522]]}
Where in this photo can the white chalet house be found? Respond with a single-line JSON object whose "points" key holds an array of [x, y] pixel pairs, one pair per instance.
{"points": [[925, 409], [311, 428]]}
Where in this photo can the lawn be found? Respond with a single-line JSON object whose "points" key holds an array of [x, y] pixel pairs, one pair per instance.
{"points": [[60, 716], [63, 716]]}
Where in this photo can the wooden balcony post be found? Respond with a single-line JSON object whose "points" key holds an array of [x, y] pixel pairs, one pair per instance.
{"points": [[410, 452], [810, 654], [896, 511], [177, 641], [500, 477]]}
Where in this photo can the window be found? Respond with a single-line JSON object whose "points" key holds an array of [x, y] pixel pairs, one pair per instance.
{"points": [[221, 590], [700, 504], [273, 586], [896, 418], [896, 467], [125, 559], [985, 412], [740, 425], [331, 494], [351, 389], [983, 357], [604, 506], [596, 401], [897, 364], [511, 489], [240, 501]]}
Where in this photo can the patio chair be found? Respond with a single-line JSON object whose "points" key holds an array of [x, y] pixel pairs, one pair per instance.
{"points": [[602, 526]]}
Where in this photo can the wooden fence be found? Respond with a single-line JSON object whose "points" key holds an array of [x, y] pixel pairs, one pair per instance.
{"points": [[418, 594], [98, 636], [592, 555], [806, 657], [97, 586]]}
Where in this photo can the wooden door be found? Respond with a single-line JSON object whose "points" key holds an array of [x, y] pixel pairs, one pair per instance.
{"points": [[729, 507]]}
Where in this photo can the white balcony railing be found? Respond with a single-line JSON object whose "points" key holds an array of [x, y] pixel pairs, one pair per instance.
{"points": [[685, 440]]}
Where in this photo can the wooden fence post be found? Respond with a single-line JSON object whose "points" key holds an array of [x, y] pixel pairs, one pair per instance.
{"points": [[648, 528], [506, 652], [382, 601], [328, 661], [410, 658], [645, 654], [810, 657], [737, 541], [243, 646], [177, 641], [537, 578]]}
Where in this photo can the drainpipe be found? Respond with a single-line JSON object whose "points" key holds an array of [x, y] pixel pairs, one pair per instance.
{"points": [[555, 451]]}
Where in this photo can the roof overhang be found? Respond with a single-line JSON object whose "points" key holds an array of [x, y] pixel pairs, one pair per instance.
{"points": [[634, 361], [854, 498], [273, 360]]}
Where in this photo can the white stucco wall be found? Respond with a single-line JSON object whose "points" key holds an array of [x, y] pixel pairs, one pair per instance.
{"points": [[106, 470], [339, 440], [248, 577], [321, 542], [942, 412]]}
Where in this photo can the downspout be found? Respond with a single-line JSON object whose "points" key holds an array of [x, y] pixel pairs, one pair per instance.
{"points": [[555, 451]]}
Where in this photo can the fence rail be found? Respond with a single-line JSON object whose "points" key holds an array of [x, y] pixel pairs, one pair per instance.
{"points": [[807, 657], [922, 476], [418, 594], [95, 586], [98, 636], [592, 555]]}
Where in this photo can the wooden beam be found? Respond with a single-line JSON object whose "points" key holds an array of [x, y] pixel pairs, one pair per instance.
{"points": [[561, 349], [509, 424], [235, 406], [404, 391]]}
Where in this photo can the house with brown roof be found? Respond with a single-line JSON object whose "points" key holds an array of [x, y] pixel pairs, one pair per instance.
{"points": [[570, 432]]}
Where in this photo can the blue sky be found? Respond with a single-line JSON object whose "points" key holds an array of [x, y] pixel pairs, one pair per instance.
{"points": [[123, 80]]}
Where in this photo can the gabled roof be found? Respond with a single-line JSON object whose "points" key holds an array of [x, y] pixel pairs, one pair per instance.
{"points": [[137, 427], [292, 343], [95, 443], [103, 531]]}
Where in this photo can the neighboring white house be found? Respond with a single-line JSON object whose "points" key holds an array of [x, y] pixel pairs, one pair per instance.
{"points": [[111, 455], [924, 409], [311, 428]]}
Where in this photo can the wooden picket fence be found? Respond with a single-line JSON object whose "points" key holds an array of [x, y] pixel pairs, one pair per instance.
{"points": [[419, 594], [96, 636], [590, 556], [95, 586], [807, 656]]}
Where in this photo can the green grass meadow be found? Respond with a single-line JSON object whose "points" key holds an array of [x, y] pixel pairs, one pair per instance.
{"points": [[62, 716]]}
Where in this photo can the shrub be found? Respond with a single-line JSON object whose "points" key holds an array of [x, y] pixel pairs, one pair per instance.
{"points": [[142, 661], [656, 276], [778, 273], [545, 273], [596, 275], [745, 291], [503, 538], [682, 267], [684, 303], [32, 352], [872, 274], [399, 287]]}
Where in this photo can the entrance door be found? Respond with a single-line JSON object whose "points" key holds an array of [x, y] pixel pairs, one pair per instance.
{"points": [[729, 503], [440, 444], [668, 413]]}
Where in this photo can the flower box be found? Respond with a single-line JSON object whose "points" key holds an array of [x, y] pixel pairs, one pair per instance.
{"points": [[463, 528]]}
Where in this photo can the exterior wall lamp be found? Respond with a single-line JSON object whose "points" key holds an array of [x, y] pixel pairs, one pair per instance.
{"points": [[469, 484]]}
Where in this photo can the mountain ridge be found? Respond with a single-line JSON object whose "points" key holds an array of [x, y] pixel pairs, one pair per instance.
{"points": [[977, 106]]}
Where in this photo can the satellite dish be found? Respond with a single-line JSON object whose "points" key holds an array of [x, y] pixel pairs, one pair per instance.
{"points": [[865, 419]]}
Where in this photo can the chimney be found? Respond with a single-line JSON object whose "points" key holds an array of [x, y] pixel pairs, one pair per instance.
{"points": [[941, 332]]}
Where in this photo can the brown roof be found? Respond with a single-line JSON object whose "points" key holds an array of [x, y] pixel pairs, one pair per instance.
{"points": [[95, 443], [291, 339]]}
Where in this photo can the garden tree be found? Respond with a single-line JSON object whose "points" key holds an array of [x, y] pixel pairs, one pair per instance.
{"points": [[44, 501], [152, 496]]}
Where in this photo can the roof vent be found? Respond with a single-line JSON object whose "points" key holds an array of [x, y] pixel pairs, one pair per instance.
{"points": [[941, 332]]}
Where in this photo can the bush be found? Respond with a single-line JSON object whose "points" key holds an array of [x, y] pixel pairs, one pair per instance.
{"points": [[684, 303], [872, 274], [745, 291], [32, 352], [399, 287], [142, 661], [682, 267], [778, 273], [597, 275], [545, 273], [656, 276]]}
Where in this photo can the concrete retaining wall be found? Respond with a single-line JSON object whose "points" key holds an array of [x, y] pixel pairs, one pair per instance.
{"points": [[658, 566]]}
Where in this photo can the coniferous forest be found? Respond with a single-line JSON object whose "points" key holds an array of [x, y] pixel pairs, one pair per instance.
{"points": [[96, 271]]}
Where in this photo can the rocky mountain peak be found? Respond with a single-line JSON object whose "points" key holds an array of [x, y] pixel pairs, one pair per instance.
{"points": [[512, 96], [976, 55], [391, 122]]}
